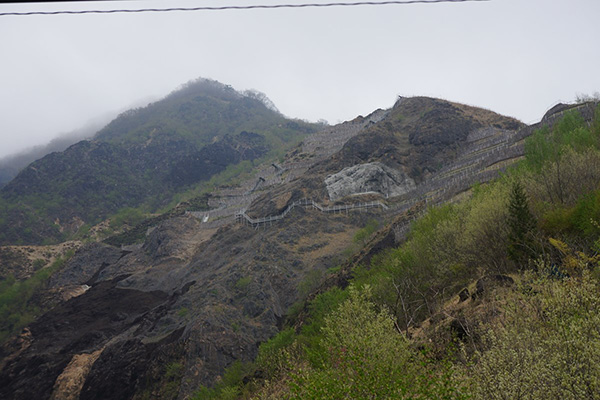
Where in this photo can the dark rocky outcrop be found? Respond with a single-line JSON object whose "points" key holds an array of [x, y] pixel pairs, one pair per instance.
{"points": [[146, 156], [205, 297], [215, 157], [84, 323], [484, 284], [414, 139], [464, 295], [85, 265]]}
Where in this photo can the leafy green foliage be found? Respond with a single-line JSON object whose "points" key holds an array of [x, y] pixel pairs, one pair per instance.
{"points": [[278, 357], [495, 231], [363, 234], [320, 307], [126, 216], [271, 358], [444, 249], [555, 156], [171, 381], [230, 386], [367, 358], [547, 347], [200, 111], [548, 145], [243, 283], [578, 220], [337, 355], [586, 215]]}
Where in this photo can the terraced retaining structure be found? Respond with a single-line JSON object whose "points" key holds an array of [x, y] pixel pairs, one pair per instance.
{"points": [[243, 218]]}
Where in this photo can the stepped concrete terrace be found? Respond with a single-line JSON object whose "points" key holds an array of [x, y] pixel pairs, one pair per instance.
{"points": [[486, 153], [316, 147], [243, 218]]}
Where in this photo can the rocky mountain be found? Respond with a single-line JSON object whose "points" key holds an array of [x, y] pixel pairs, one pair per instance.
{"points": [[416, 138], [12, 164], [143, 157], [161, 318]]}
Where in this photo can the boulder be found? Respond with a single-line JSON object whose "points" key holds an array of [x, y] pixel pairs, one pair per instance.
{"points": [[464, 295], [369, 177], [491, 281]]}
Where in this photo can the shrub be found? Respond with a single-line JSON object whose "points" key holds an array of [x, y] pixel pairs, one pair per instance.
{"points": [[126, 216], [243, 283], [484, 243], [229, 388], [367, 358], [548, 345], [311, 281], [271, 358], [363, 234]]}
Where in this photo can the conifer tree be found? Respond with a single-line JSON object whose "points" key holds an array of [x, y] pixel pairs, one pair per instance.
{"points": [[521, 223]]}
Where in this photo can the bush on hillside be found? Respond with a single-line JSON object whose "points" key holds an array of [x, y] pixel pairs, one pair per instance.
{"points": [[547, 346]]}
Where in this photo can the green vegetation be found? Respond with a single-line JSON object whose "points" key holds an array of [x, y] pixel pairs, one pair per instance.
{"points": [[361, 238], [243, 283], [199, 111], [539, 338], [172, 377], [204, 135], [270, 358], [167, 387], [311, 281], [365, 357], [17, 308], [183, 312], [232, 175], [230, 386], [126, 216], [548, 346], [521, 224], [365, 233]]}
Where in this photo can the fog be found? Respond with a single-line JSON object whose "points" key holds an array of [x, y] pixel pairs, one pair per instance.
{"points": [[514, 57]]}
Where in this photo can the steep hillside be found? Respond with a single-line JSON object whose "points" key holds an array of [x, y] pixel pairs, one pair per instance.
{"points": [[12, 164], [145, 156], [205, 292], [418, 136], [415, 138], [492, 297]]}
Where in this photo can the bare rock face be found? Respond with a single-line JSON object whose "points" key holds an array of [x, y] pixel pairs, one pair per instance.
{"points": [[369, 177], [68, 384]]}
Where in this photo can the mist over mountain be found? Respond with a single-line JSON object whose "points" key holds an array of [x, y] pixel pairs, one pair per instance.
{"points": [[144, 156], [206, 246], [12, 164]]}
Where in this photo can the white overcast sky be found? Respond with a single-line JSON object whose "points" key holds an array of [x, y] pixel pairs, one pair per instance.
{"points": [[515, 57]]}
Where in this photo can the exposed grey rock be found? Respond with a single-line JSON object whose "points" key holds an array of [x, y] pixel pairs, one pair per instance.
{"points": [[369, 177], [87, 262]]}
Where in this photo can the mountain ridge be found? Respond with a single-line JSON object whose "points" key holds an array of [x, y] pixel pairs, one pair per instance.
{"points": [[208, 291], [218, 305], [142, 157]]}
